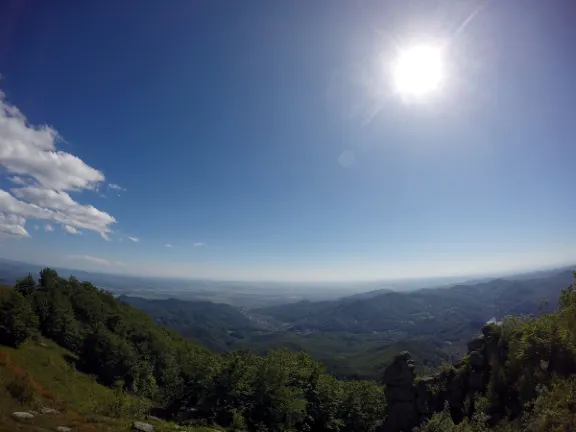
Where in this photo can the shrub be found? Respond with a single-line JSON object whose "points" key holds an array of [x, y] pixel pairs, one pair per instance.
{"points": [[22, 390]]}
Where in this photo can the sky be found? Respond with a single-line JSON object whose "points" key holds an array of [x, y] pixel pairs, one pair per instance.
{"points": [[261, 140]]}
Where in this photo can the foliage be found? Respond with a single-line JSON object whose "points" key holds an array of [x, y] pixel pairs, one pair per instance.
{"points": [[17, 321], [442, 422], [126, 350], [553, 410]]}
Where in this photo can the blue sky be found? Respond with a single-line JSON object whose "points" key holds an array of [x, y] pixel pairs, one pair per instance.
{"points": [[262, 140]]}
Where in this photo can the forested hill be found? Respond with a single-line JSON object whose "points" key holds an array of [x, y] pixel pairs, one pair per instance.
{"points": [[122, 347], [213, 325], [519, 376], [441, 312]]}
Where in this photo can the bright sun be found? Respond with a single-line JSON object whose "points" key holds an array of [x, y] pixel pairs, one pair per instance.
{"points": [[419, 71]]}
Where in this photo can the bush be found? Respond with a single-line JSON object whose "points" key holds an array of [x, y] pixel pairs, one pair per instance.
{"points": [[22, 390]]}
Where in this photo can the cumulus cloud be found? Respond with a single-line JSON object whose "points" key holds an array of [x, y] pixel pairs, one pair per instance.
{"points": [[70, 229], [90, 259], [168, 245], [83, 217], [134, 239], [31, 151], [198, 244], [48, 228], [13, 225], [29, 154]]}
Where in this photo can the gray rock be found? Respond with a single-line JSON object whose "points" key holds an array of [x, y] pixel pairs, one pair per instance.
{"points": [[401, 417], [477, 360], [399, 393], [489, 331], [154, 418], [34, 413], [22, 416], [475, 380], [476, 344], [401, 371], [423, 404], [63, 429], [142, 427], [49, 411]]}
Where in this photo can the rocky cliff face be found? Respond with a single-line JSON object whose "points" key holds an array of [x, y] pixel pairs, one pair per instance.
{"points": [[412, 401]]}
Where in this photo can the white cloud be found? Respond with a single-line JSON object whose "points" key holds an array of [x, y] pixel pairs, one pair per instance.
{"points": [[17, 180], [116, 187], [168, 245], [78, 216], [13, 225], [67, 210], [90, 259], [71, 230], [29, 153], [48, 228], [134, 239], [198, 244]]}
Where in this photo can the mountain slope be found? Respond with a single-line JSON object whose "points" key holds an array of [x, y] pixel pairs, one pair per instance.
{"points": [[439, 312], [214, 325]]}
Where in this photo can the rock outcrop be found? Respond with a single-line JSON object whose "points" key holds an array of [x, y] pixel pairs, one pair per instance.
{"points": [[412, 401], [142, 427], [22, 416]]}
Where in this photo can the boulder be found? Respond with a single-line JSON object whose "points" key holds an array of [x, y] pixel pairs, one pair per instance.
{"points": [[22, 416], [399, 393], [477, 360], [142, 427], [456, 392], [475, 381], [49, 411], [476, 344], [63, 429], [489, 331], [401, 371]]}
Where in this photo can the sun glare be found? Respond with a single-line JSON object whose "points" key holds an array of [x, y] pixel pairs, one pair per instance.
{"points": [[418, 71]]}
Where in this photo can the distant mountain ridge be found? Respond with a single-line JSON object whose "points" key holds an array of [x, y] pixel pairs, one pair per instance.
{"points": [[438, 312]]}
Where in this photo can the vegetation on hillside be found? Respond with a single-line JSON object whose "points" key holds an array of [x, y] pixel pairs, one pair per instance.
{"points": [[531, 385], [213, 325], [123, 348]]}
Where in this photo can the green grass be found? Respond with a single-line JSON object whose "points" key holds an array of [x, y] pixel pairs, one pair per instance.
{"points": [[85, 405]]}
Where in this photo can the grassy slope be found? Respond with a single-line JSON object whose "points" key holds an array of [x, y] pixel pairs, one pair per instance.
{"points": [[77, 395]]}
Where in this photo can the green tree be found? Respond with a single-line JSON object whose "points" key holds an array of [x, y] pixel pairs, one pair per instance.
{"points": [[363, 405], [26, 285], [17, 321], [48, 279], [324, 403]]}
